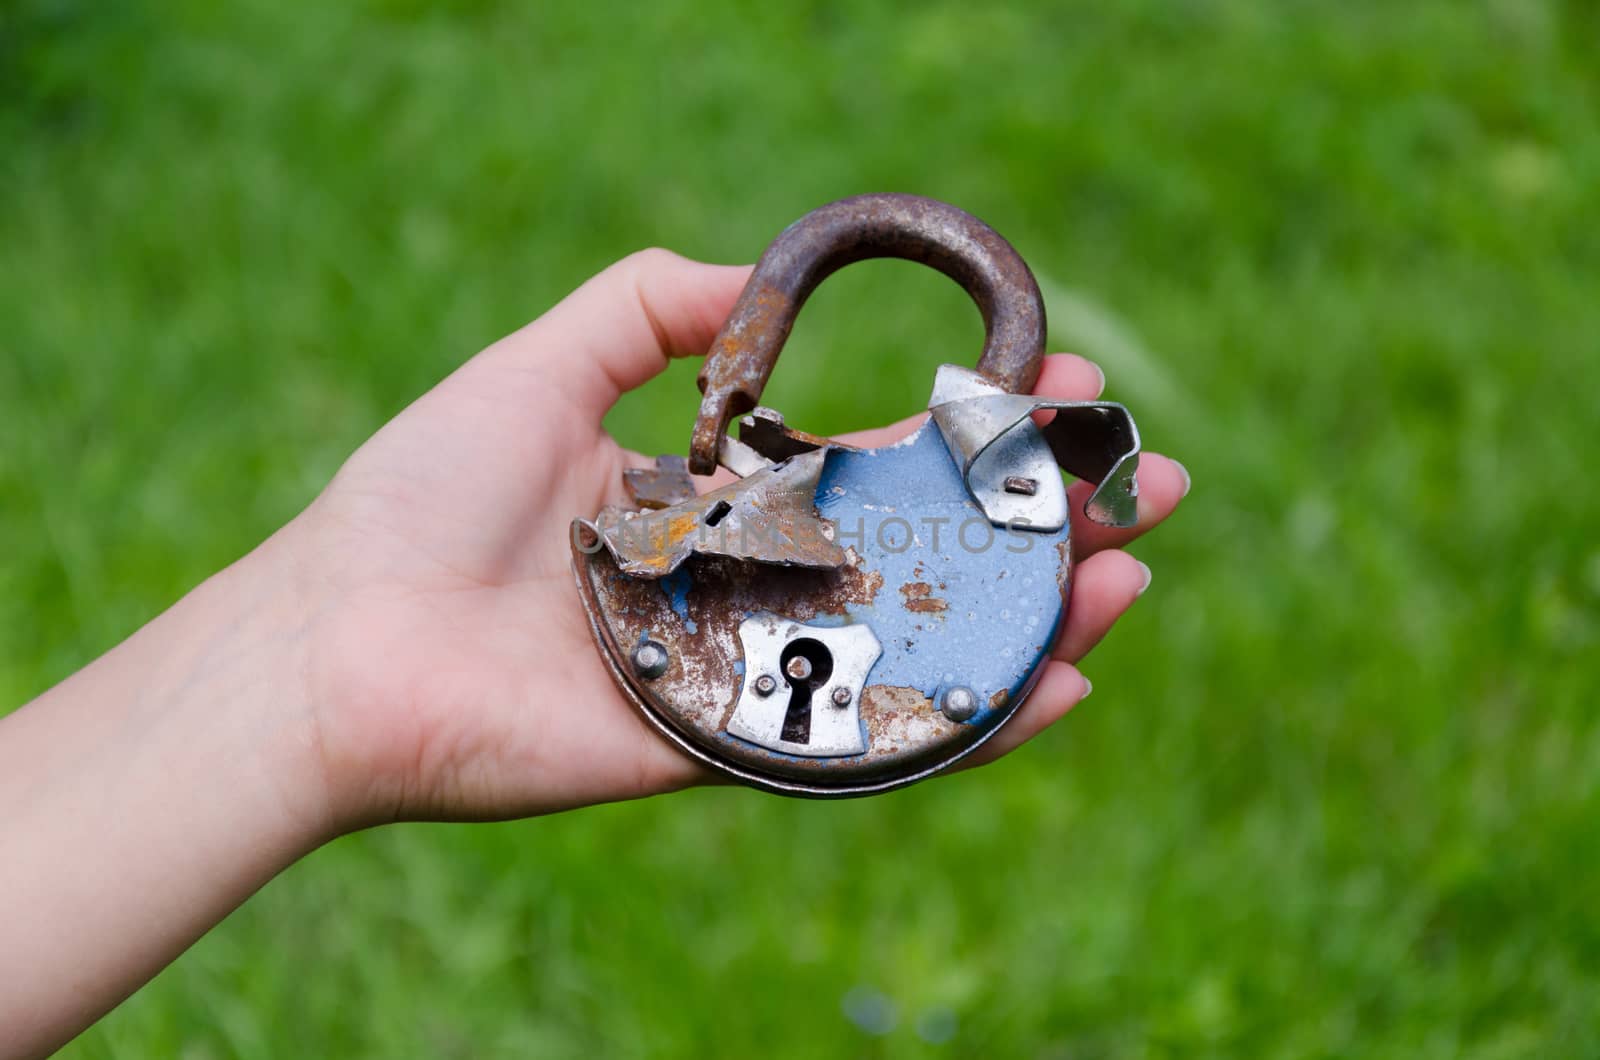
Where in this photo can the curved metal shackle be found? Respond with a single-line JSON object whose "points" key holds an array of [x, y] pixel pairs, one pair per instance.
{"points": [[830, 237]]}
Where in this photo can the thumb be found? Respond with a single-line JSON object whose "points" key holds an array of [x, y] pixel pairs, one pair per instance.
{"points": [[619, 329]]}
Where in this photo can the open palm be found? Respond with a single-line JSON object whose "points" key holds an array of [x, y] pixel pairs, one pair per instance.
{"points": [[451, 672]]}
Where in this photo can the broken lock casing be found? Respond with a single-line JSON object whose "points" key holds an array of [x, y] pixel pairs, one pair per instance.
{"points": [[843, 621]]}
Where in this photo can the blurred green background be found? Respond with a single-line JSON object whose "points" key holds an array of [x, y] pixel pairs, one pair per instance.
{"points": [[1335, 793]]}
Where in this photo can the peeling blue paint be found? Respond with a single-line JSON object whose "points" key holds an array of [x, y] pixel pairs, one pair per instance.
{"points": [[676, 585]]}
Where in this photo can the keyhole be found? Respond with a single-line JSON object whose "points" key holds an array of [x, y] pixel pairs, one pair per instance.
{"points": [[806, 665]]}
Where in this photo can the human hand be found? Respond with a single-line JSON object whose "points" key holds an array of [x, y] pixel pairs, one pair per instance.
{"points": [[448, 669], [410, 646]]}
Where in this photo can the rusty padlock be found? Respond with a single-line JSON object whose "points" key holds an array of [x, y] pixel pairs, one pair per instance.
{"points": [[843, 621]]}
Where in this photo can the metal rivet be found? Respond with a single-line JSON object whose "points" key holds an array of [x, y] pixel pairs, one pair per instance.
{"points": [[1025, 486], [766, 685], [650, 659], [958, 703], [798, 668], [842, 696]]}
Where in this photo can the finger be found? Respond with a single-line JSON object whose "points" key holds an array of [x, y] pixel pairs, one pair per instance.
{"points": [[1060, 688], [1103, 589], [1104, 586], [1062, 377], [621, 327], [1163, 482], [1069, 377]]}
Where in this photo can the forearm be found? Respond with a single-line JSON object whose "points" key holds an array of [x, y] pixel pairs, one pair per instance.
{"points": [[146, 797]]}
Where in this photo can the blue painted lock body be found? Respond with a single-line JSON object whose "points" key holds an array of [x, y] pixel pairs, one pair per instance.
{"points": [[962, 602]]}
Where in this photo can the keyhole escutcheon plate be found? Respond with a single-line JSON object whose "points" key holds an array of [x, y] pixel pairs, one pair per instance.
{"points": [[834, 729]]}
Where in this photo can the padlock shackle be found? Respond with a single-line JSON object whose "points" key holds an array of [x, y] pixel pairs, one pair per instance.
{"points": [[745, 351]]}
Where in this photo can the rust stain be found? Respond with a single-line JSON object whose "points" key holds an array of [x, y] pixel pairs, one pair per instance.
{"points": [[919, 598], [662, 486], [1064, 572], [882, 705], [701, 687], [999, 699]]}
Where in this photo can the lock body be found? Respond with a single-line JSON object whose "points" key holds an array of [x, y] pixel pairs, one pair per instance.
{"points": [[842, 621]]}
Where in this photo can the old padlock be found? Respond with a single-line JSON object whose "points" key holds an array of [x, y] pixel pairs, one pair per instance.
{"points": [[843, 621]]}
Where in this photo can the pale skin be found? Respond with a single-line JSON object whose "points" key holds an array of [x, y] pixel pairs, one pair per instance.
{"points": [[410, 646]]}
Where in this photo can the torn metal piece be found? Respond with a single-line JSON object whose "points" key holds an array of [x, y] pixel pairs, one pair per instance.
{"points": [[805, 661], [764, 431], [1097, 441], [992, 436], [769, 517], [662, 486]]}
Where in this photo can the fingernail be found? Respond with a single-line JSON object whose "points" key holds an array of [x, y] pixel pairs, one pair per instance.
{"points": [[1185, 473], [1088, 686], [1148, 574], [1101, 372]]}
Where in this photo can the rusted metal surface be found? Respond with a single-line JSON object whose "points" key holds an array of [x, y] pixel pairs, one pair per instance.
{"points": [[904, 722], [919, 598], [768, 517], [936, 234], [662, 486], [1022, 485], [694, 699], [987, 617]]}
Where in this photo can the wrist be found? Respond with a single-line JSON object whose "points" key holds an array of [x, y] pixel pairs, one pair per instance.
{"points": [[234, 661], [330, 707]]}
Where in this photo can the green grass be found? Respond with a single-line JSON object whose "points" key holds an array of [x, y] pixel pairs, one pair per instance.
{"points": [[1335, 793]]}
